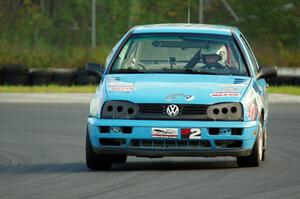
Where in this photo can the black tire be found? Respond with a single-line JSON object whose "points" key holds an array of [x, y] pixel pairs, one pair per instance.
{"points": [[0, 75], [14, 74], [95, 161], [39, 76], [255, 159], [63, 76], [82, 78], [265, 145]]}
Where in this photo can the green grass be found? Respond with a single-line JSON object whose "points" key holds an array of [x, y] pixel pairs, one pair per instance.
{"points": [[48, 89], [291, 90]]}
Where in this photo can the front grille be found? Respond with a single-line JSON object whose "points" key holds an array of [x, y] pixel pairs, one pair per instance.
{"points": [[186, 112], [194, 109], [169, 144], [152, 108]]}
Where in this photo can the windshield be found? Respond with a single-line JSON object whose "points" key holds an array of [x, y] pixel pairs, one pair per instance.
{"points": [[180, 53]]}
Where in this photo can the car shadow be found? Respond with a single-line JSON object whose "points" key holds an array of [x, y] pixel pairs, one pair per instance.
{"points": [[174, 165], [80, 167]]}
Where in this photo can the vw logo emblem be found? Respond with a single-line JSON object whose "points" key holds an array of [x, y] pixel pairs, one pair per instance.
{"points": [[172, 110]]}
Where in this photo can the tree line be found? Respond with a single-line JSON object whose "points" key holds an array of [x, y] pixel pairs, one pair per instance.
{"points": [[65, 24]]}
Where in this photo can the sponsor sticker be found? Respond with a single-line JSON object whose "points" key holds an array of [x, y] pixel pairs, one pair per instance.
{"points": [[189, 97], [174, 96], [164, 132], [118, 86], [226, 94]]}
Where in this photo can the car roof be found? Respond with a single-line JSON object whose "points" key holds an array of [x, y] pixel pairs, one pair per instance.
{"points": [[184, 28]]}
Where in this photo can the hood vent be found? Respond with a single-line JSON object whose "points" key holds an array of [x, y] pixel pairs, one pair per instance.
{"points": [[239, 81]]}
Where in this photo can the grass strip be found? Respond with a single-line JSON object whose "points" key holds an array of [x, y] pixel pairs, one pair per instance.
{"points": [[48, 89], [291, 90]]}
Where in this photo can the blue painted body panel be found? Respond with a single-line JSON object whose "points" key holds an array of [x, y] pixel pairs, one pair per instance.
{"points": [[184, 28], [142, 130], [155, 88]]}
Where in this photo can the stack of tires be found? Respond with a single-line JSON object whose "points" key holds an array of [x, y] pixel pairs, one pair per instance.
{"points": [[0, 75], [81, 78], [62, 76], [15, 74], [40, 76]]}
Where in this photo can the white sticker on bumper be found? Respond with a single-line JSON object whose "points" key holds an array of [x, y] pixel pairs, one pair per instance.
{"points": [[164, 132]]}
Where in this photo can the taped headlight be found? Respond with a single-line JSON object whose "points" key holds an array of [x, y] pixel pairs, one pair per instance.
{"points": [[225, 111], [119, 110]]}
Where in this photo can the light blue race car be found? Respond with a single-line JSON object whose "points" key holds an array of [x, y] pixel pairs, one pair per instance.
{"points": [[179, 90]]}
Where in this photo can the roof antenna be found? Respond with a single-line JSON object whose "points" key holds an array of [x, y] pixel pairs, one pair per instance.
{"points": [[189, 11]]}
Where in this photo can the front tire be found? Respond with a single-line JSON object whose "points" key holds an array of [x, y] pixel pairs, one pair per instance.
{"points": [[256, 157], [264, 145], [95, 161]]}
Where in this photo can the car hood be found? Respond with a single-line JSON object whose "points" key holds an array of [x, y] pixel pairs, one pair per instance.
{"points": [[175, 88]]}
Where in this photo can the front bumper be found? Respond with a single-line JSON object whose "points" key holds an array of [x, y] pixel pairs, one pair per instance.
{"points": [[139, 142]]}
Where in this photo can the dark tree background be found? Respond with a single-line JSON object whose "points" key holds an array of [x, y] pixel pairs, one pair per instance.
{"points": [[57, 33]]}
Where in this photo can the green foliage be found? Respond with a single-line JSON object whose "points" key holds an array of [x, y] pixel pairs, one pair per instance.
{"points": [[290, 90], [52, 33], [48, 89]]}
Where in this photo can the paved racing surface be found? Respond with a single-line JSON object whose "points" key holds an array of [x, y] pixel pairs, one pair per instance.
{"points": [[42, 156]]}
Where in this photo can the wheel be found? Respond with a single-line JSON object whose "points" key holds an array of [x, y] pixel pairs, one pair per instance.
{"points": [[254, 160], [264, 145], [96, 161]]}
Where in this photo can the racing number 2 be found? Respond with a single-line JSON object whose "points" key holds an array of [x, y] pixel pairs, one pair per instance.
{"points": [[195, 134]]}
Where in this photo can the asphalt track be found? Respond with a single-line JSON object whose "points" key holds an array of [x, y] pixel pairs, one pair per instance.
{"points": [[42, 156]]}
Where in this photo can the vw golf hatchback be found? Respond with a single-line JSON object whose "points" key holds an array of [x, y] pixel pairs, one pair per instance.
{"points": [[179, 90]]}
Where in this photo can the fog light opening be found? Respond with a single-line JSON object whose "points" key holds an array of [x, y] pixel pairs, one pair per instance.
{"points": [[130, 111], [119, 108], [233, 109], [216, 111], [224, 110], [110, 108]]}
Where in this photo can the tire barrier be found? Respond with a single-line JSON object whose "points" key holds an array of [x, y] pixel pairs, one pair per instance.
{"points": [[15, 74], [0, 75], [285, 80], [63, 76], [39, 76], [81, 78]]}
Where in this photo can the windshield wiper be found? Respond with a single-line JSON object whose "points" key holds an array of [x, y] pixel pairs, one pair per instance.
{"points": [[129, 70], [189, 71]]}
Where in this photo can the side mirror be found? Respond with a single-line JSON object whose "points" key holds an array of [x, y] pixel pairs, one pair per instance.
{"points": [[94, 69], [267, 72]]}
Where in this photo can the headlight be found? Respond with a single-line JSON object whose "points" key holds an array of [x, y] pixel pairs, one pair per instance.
{"points": [[225, 111], [119, 110]]}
